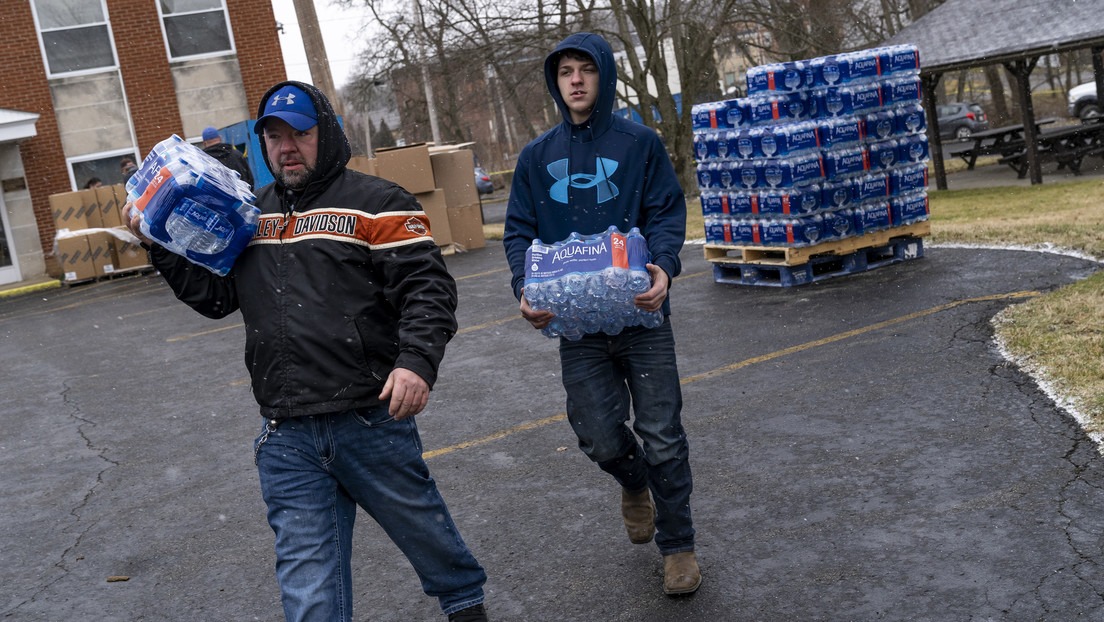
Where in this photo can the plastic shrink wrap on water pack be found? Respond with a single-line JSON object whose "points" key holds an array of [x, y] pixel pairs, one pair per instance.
{"points": [[589, 282], [192, 205]]}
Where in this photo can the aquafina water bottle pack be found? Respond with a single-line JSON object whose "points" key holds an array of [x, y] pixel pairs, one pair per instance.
{"points": [[819, 150], [192, 205], [589, 283]]}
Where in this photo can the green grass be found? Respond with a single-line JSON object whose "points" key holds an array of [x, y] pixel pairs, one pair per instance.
{"points": [[1058, 336]]}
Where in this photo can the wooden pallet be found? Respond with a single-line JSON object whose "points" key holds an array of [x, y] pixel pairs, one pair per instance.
{"points": [[820, 267], [786, 256]]}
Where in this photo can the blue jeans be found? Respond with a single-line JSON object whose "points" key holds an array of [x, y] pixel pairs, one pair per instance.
{"points": [[316, 470], [603, 376]]}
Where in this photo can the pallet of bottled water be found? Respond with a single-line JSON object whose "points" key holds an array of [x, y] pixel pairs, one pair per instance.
{"points": [[589, 283], [820, 151], [192, 205]]}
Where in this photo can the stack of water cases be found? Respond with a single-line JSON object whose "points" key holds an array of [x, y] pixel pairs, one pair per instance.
{"points": [[589, 283], [819, 150], [193, 205]]}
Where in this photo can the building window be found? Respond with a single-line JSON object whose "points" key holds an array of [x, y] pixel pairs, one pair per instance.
{"points": [[104, 167], [195, 28], [75, 36]]}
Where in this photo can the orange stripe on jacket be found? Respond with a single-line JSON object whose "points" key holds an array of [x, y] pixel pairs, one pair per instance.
{"points": [[344, 225]]}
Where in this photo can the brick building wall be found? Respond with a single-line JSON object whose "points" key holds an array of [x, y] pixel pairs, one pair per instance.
{"points": [[144, 64], [147, 80], [258, 46], [24, 75]]}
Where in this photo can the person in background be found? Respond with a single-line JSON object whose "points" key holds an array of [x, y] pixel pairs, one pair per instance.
{"points": [[227, 155], [127, 167], [591, 171], [347, 306], [93, 182]]}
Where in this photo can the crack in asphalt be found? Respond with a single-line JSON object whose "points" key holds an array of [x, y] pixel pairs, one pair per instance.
{"points": [[1081, 455], [63, 563]]}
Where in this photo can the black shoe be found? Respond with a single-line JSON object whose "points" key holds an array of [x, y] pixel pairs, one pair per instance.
{"points": [[475, 613]]}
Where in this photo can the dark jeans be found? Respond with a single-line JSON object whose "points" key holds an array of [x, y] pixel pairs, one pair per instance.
{"points": [[315, 471], [603, 376]]}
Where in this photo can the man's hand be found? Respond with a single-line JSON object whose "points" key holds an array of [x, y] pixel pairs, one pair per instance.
{"points": [[408, 393], [652, 300], [539, 319], [133, 222]]}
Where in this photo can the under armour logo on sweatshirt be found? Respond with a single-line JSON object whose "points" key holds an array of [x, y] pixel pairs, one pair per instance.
{"points": [[603, 167]]}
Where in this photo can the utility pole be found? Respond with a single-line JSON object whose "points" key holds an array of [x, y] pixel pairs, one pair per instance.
{"points": [[431, 101], [315, 48]]}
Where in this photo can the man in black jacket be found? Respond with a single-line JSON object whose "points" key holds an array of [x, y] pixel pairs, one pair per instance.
{"points": [[227, 155], [347, 307]]}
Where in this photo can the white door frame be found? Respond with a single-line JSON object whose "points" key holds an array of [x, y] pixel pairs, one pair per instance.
{"points": [[10, 273]]}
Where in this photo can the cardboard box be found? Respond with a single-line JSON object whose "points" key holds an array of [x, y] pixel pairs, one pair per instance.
{"points": [[466, 226], [454, 172], [101, 252], [70, 209], [74, 258], [129, 256], [363, 164], [106, 212], [409, 167], [433, 203]]}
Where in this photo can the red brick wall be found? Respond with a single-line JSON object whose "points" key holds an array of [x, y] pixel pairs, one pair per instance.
{"points": [[258, 46], [147, 80], [23, 72]]}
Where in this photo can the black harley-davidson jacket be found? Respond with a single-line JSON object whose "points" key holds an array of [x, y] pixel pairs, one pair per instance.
{"points": [[341, 284]]}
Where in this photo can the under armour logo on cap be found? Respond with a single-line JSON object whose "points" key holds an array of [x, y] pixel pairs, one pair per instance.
{"points": [[290, 104]]}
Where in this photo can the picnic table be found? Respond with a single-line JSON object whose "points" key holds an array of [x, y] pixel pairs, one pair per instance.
{"points": [[1068, 146], [1002, 141]]}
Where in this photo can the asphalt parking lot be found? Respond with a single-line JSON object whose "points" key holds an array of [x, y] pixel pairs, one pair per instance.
{"points": [[861, 452]]}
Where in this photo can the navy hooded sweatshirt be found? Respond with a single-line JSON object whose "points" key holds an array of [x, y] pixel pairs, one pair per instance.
{"points": [[584, 178]]}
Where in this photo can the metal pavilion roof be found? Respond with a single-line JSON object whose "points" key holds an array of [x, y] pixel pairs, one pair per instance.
{"points": [[969, 33]]}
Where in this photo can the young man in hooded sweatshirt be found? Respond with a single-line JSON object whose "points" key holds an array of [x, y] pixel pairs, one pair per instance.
{"points": [[591, 171], [347, 308]]}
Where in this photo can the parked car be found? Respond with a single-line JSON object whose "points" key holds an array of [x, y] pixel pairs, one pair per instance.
{"points": [[483, 181], [1083, 102], [961, 119]]}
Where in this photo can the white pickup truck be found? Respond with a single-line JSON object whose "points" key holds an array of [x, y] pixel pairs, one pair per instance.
{"points": [[1083, 102]]}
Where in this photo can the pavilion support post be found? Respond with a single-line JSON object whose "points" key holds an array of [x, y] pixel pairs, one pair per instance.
{"points": [[935, 144], [1098, 69], [1021, 70]]}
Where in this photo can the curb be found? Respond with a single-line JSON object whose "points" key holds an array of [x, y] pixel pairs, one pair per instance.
{"points": [[30, 288]]}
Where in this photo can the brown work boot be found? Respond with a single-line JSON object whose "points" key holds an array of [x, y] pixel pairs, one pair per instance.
{"points": [[681, 574], [639, 513]]}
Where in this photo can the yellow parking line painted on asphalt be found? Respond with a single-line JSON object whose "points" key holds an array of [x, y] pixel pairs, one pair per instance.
{"points": [[469, 329], [204, 332], [852, 333], [521, 427], [746, 363]]}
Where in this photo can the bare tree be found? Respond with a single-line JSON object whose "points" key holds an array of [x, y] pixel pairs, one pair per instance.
{"points": [[661, 38], [485, 60]]}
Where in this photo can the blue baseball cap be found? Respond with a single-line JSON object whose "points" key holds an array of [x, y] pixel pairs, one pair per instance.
{"points": [[290, 104], [210, 133]]}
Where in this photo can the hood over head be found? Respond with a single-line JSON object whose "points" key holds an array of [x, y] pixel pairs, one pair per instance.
{"points": [[333, 146], [598, 49]]}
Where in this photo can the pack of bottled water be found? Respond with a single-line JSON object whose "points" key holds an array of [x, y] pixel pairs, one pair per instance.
{"points": [[819, 150], [193, 205], [589, 283]]}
